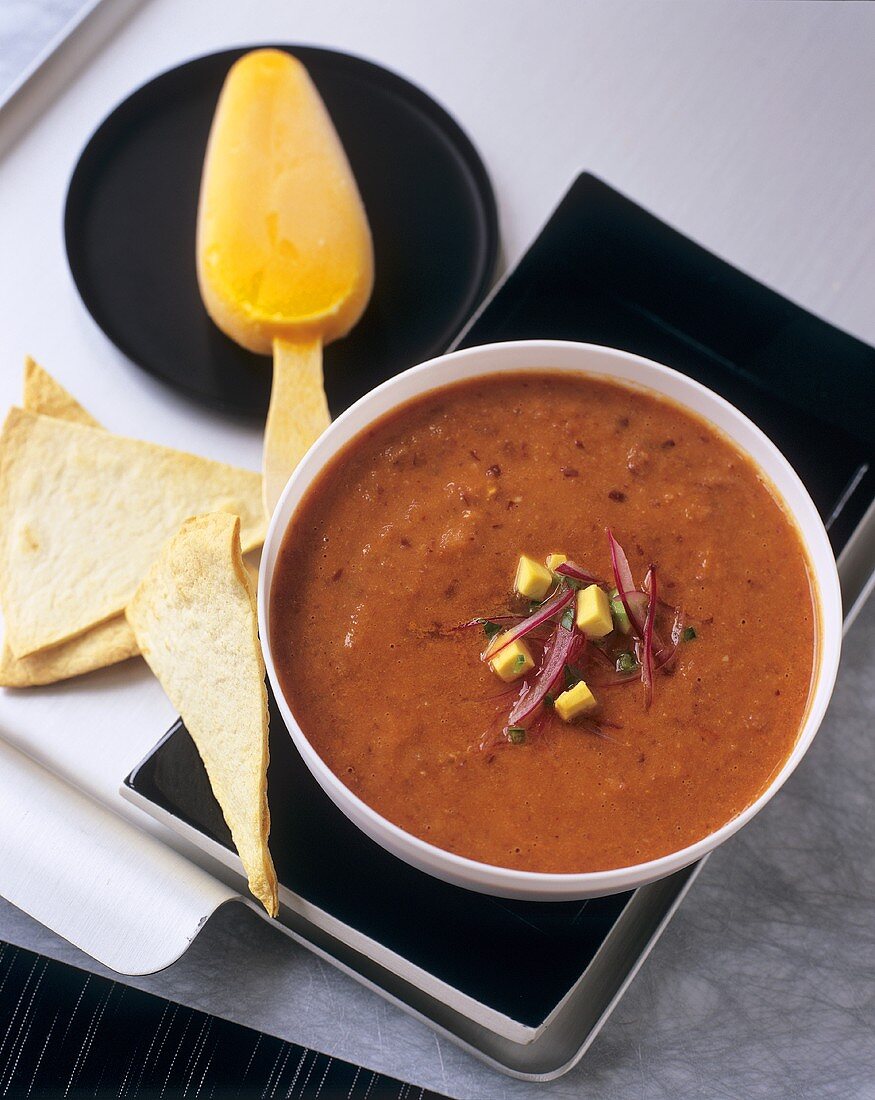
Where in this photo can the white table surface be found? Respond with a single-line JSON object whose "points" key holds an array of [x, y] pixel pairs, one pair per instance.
{"points": [[749, 127]]}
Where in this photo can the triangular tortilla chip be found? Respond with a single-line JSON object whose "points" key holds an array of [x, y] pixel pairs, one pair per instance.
{"points": [[194, 619], [84, 513], [104, 645], [42, 394]]}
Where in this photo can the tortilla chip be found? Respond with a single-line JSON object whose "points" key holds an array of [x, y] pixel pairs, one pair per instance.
{"points": [[84, 513], [194, 619], [42, 394], [103, 645], [99, 647]]}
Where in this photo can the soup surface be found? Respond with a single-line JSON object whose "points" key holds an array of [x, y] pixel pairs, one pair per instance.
{"points": [[417, 526]]}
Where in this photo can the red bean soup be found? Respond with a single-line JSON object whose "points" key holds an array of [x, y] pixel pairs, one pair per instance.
{"points": [[547, 622]]}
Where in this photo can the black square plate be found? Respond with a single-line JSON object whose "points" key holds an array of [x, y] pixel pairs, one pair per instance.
{"points": [[605, 271]]}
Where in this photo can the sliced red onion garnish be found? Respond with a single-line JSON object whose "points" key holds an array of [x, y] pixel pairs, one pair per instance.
{"points": [[557, 602], [620, 564], [600, 655], [597, 729], [633, 601], [608, 675], [647, 640], [666, 654], [563, 647], [637, 603], [615, 679], [481, 620], [569, 569]]}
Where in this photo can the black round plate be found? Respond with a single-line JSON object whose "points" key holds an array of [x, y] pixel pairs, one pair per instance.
{"points": [[132, 207]]}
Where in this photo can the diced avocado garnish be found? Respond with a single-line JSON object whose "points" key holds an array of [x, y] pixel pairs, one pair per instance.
{"points": [[594, 612], [512, 661], [532, 579], [574, 702]]}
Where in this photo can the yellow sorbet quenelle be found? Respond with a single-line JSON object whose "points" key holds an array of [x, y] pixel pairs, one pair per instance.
{"points": [[284, 249]]}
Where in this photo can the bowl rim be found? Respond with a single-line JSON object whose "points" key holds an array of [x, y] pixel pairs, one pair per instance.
{"points": [[507, 881]]}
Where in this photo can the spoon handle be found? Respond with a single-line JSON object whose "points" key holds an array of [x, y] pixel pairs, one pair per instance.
{"points": [[297, 416]]}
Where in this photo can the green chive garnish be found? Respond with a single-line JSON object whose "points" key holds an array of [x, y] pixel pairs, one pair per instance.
{"points": [[572, 677], [690, 634], [519, 662], [516, 735], [567, 619], [490, 629], [626, 662], [549, 700], [618, 611]]}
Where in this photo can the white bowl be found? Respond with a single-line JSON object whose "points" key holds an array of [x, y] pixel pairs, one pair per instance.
{"points": [[591, 359]]}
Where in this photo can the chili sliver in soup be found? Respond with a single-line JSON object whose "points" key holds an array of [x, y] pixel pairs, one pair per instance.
{"points": [[547, 622]]}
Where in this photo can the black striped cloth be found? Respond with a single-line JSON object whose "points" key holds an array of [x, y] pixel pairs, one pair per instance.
{"points": [[67, 1033]]}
